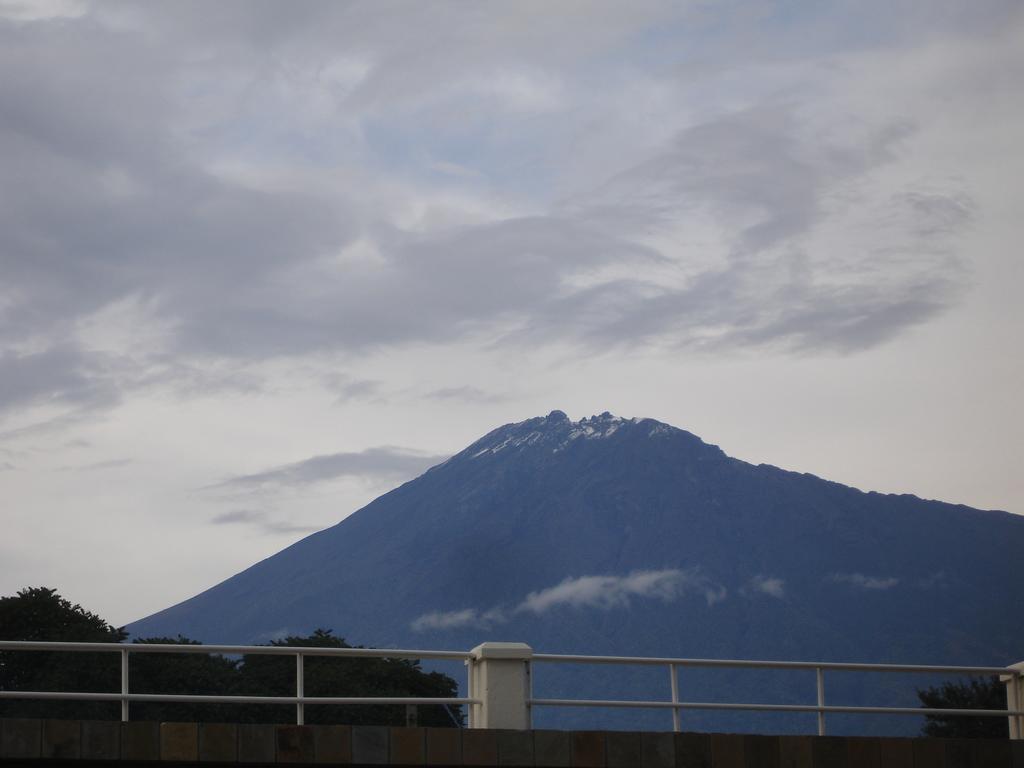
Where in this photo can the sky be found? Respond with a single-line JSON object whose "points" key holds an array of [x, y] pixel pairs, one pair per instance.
{"points": [[261, 262]]}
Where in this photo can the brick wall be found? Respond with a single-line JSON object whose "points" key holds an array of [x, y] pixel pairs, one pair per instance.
{"points": [[80, 743]]}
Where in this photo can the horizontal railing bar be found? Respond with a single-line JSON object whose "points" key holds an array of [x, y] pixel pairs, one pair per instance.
{"points": [[746, 663], [771, 707], [227, 699], [384, 653], [397, 653], [270, 650], [378, 700]]}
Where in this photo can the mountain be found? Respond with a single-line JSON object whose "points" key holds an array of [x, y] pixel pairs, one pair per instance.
{"points": [[633, 537]]}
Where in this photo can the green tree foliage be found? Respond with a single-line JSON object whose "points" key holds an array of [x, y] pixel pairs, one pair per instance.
{"points": [[38, 613], [41, 614], [182, 673], [325, 676], [976, 693]]}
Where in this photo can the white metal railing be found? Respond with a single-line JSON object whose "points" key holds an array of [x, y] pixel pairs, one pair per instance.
{"points": [[1013, 676], [500, 681], [300, 653]]}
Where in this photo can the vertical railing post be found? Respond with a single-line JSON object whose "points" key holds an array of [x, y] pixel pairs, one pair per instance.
{"points": [[1020, 701], [300, 690], [470, 692], [124, 685], [820, 674], [529, 693], [500, 680], [1015, 699], [673, 675]]}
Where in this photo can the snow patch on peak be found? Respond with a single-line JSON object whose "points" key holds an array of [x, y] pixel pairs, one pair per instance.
{"points": [[510, 441], [557, 431], [592, 430]]}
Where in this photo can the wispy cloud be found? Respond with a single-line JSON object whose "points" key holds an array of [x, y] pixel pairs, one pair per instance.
{"points": [[62, 375], [465, 394], [446, 620], [617, 591], [718, 225], [766, 585], [865, 582], [376, 464], [98, 465], [598, 592], [349, 388], [260, 520]]}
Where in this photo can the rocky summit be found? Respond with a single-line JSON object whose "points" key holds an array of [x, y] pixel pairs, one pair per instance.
{"points": [[610, 535]]}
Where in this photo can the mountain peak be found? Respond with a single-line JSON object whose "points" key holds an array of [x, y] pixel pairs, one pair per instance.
{"points": [[558, 418], [556, 431]]}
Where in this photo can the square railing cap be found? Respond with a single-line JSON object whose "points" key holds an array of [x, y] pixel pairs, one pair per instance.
{"points": [[502, 651]]}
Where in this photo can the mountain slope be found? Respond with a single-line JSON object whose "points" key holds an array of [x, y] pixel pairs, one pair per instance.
{"points": [[633, 537]]}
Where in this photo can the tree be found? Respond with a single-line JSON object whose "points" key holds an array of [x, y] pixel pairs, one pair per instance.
{"points": [[39, 613], [183, 673], [976, 693], [333, 676]]}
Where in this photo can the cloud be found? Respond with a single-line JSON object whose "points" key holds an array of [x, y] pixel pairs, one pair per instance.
{"points": [[760, 186], [866, 582], [260, 520], [349, 388], [238, 516], [714, 593], [385, 463], [468, 617], [465, 394], [607, 592], [61, 375], [357, 389], [98, 465], [252, 236], [600, 592], [446, 620], [767, 585]]}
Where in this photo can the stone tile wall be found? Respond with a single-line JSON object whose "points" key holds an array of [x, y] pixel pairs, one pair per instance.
{"points": [[45, 743]]}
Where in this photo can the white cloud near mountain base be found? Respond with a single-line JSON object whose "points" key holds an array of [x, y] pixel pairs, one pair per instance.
{"points": [[766, 585], [598, 592], [863, 581], [446, 620], [608, 591]]}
